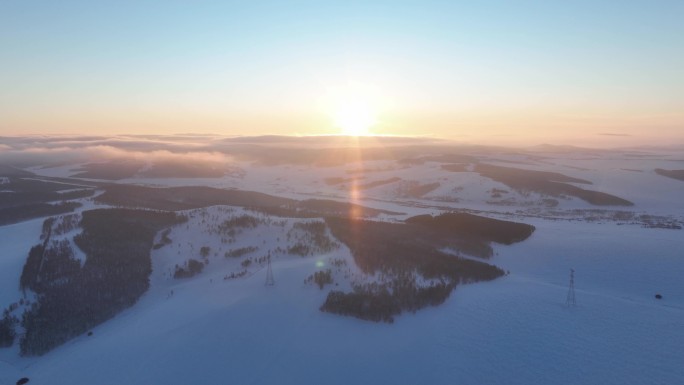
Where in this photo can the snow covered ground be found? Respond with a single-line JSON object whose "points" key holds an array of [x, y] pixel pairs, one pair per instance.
{"points": [[628, 174], [514, 330]]}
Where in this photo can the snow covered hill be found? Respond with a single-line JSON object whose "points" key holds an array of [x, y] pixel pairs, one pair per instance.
{"points": [[515, 329], [224, 325]]}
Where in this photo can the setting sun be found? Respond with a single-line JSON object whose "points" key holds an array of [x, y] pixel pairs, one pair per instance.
{"points": [[354, 108], [354, 118]]}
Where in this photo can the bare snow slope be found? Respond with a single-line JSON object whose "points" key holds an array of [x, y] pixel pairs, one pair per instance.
{"points": [[514, 330]]}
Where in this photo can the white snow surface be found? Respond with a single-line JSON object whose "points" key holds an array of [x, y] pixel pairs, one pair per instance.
{"points": [[514, 330]]}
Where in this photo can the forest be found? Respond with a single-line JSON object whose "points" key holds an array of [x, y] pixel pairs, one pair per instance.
{"points": [[548, 183], [184, 198], [26, 198], [674, 174], [464, 224], [416, 273], [14, 214], [74, 298]]}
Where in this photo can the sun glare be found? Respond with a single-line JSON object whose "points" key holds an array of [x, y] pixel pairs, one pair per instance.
{"points": [[354, 108]]}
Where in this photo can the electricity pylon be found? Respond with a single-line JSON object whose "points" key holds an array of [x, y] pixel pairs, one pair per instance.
{"points": [[269, 274], [570, 301]]}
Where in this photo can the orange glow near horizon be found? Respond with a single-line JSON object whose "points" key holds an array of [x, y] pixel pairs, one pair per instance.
{"points": [[361, 117]]}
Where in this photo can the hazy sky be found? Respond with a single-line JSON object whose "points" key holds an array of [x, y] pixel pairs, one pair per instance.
{"points": [[470, 70]]}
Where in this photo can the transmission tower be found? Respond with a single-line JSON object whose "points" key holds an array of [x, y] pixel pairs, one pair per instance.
{"points": [[570, 301], [269, 274]]}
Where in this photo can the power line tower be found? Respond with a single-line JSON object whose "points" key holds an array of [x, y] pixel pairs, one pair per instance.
{"points": [[269, 274], [570, 301]]}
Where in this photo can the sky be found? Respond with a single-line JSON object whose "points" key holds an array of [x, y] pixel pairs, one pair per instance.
{"points": [[476, 71]]}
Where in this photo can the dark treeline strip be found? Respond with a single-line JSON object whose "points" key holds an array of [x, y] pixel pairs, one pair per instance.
{"points": [[184, 198], [19, 198], [464, 224], [548, 183], [674, 174], [20, 213]]}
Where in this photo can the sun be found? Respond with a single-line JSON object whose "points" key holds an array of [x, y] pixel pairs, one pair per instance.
{"points": [[355, 118], [354, 108]]}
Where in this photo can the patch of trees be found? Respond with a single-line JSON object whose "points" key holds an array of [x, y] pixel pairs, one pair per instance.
{"points": [[233, 225], [205, 251], [338, 262], [30, 192], [29, 273], [399, 249], [377, 303], [311, 238], [321, 278], [653, 222], [235, 275], [112, 170], [191, 268], [14, 214], [418, 274], [36, 185], [464, 224], [362, 234], [49, 265], [46, 229], [185, 198], [315, 228], [364, 305], [237, 253], [548, 183], [7, 333], [9, 171], [525, 176], [165, 240], [117, 244], [299, 248], [674, 174], [184, 169]]}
